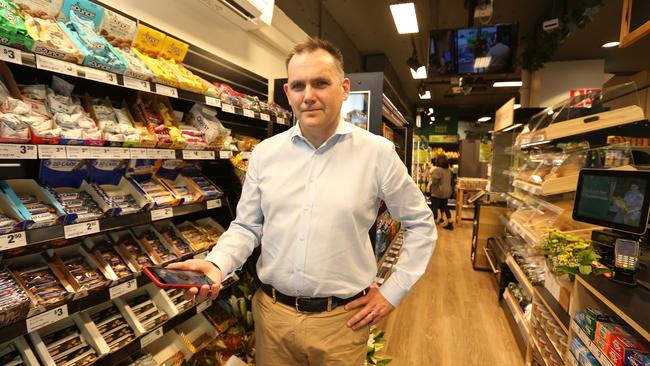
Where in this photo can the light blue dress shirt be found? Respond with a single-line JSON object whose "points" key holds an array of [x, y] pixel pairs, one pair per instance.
{"points": [[311, 209]]}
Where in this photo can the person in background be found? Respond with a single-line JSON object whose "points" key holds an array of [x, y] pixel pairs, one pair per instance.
{"points": [[441, 189], [309, 198]]}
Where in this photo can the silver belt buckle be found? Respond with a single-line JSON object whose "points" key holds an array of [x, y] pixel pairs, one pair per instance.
{"points": [[298, 298]]}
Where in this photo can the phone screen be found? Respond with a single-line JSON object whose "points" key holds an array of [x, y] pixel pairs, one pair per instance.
{"points": [[178, 277]]}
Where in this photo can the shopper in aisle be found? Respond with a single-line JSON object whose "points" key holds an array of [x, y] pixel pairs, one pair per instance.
{"points": [[310, 196], [440, 188]]}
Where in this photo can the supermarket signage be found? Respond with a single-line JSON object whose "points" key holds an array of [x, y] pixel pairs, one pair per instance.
{"points": [[212, 101], [12, 55], [149, 338], [167, 91], [49, 317], [163, 213], [225, 154], [80, 229], [202, 306], [13, 240], [137, 84], [51, 152], [12, 151], [213, 203], [249, 113], [101, 76], [227, 108], [51, 64], [265, 117], [586, 103], [443, 139], [123, 288]]}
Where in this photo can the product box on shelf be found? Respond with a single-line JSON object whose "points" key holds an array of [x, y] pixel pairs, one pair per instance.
{"points": [[622, 344], [77, 127], [112, 190], [17, 352], [204, 118], [16, 115], [210, 229], [117, 29], [153, 242], [101, 111], [168, 230], [83, 9], [148, 40], [65, 178], [147, 307], [164, 108], [68, 342], [202, 234], [141, 174], [136, 255], [582, 353], [113, 258], [169, 174], [169, 349], [35, 203], [51, 40], [161, 69], [11, 217], [636, 358], [147, 138], [198, 331], [114, 325], [15, 301], [177, 297], [158, 118], [13, 31], [82, 269], [46, 283]]}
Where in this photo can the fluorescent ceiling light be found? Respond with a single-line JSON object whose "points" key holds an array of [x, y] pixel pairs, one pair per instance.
{"points": [[482, 62], [426, 95], [512, 127], [507, 84], [404, 17], [484, 119], [610, 44], [517, 106], [420, 73]]}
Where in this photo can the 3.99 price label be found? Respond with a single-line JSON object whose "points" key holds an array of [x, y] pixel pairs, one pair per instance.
{"points": [[13, 240], [49, 317]]}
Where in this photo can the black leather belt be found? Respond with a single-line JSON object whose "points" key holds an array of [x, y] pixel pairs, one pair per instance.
{"points": [[309, 304]]}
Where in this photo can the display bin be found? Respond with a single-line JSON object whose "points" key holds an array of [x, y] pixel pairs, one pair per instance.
{"points": [[20, 345], [156, 295], [198, 331], [90, 336], [137, 257], [169, 349], [166, 252], [95, 326], [110, 257], [170, 233], [60, 256], [29, 187], [10, 210]]}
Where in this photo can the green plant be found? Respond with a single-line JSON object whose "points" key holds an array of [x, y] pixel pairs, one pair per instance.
{"points": [[571, 255], [376, 344]]}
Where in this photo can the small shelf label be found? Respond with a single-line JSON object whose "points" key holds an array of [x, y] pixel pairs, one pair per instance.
{"points": [[51, 152], [166, 90], [101, 76], [123, 288], [281, 121], [213, 101], [137, 84], [216, 203], [12, 55], [137, 153], [249, 113], [13, 240], [151, 337], [49, 317], [198, 155], [51, 64], [227, 108], [81, 229], [78, 152], [162, 213], [225, 154], [265, 117], [14, 151]]}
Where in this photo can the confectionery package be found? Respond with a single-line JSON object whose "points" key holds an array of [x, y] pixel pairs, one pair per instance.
{"points": [[169, 350], [156, 112], [68, 342], [201, 236], [83, 270], [204, 119], [11, 218], [141, 175], [183, 188], [34, 202], [14, 304], [17, 352], [172, 236], [148, 307], [117, 29], [210, 229], [176, 296], [148, 40], [13, 31], [198, 331], [77, 126], [111, 257], [112, 190], [154, 243], [112, 323], [127, 243]]}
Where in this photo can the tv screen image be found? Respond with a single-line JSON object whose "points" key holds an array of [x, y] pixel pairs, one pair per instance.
{"points": [[490, 49], [442, 59]]}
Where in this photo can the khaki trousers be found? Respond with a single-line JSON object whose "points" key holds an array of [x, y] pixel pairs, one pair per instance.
{"points": [[285, 337]]}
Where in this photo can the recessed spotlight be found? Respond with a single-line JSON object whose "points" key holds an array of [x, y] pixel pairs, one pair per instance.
{"points": [[430, 110], [425, 95], [484, 119], [550, 112], [405, 19], [507, 84], [610, 44], [419, 73], [517, 106], [433, 118]]}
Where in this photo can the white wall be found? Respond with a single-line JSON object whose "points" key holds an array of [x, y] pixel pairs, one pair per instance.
{"points": [[553, 83], [196, 23]]}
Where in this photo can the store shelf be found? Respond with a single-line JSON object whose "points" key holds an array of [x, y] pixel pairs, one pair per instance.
{"points": [[520, 276], [57, 232], [517, 314], [389, 259], [547, 339], [570, 359], [539, 350], [519, 229], [554, 307], [550, 187], [66, 68], [629, 303], [595, 351]]}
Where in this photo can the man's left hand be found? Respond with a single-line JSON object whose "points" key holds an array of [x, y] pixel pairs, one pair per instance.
{"points": [[375, 308]]}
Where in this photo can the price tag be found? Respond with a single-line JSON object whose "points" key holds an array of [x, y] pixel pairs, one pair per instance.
{"points": [[121, 152], [201, 255], [249, 113], [9, 54], [166, 154], [152, 153], [137, 84], [47, 318], [282, 121], [123, 288], [13, 151], [213, 101], [99, 75], [149, 338], [202, 306], [190, 154], [265, 117], [227, 108], [101, 153], [165, 90], [51, 64], [81, 229], [245, 155], [206, 155], [13, 240], [139, 153], [198, 155], [225, 154], [51, 152], [77, 152], [162, 213], [213, 203]]}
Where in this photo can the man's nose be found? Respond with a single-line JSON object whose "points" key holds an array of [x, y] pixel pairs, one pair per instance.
{"points": [[310, 96]]}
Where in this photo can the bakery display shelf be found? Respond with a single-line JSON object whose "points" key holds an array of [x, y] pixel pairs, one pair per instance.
{"points": [[517, 314], [591, 346], [57, 232], [550, 187], [67, 68], [521, 230], [553, 306], [520, 276], [629, 303]]}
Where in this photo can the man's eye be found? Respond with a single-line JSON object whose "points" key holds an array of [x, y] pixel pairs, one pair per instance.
{"points": [[321, 83], [298, 87]]}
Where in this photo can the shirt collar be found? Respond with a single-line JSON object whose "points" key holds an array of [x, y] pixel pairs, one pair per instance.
{"points": [[342, 129]]}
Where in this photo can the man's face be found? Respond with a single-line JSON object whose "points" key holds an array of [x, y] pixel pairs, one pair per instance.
{"points": [[316, 89]]}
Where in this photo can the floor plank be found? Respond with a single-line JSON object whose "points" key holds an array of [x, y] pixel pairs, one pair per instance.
{"points": [[451, 316]]}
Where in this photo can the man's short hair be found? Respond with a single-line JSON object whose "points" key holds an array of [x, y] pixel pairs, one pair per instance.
{"points": [[313, 44]]}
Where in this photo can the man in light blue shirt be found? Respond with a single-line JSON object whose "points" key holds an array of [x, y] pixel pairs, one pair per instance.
{"points": [[310, 196]]}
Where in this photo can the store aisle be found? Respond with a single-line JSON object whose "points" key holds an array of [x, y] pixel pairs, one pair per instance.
{"points": [[451, 317]]}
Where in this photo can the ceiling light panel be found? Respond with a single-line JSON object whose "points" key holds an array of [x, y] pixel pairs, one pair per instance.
{"points": [[425, 95], [420, 73], [484, 119], [507, 84], [404, 17]]}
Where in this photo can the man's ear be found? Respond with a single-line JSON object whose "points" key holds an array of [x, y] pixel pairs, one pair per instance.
{"points": [[346, 88], [286, 89]]}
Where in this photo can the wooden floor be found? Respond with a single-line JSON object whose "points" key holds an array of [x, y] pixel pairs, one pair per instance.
{"points": [[451, 316]]}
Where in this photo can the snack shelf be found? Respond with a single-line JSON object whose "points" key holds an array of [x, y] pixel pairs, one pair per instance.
{"points": [[520, 276], [553, 306], [20, 327], [389, 258], [547, 339], [57, 232], [595, 351], [518, 315], [41, 62], [539, 349]]}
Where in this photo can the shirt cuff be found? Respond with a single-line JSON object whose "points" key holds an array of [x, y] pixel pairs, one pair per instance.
{"points": [[392, 291], [222, 261]]}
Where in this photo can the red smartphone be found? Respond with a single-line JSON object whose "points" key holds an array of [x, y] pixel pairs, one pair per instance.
{"points": [[175, 278]]}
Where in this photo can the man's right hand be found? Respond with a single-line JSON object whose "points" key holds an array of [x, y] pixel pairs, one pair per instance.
{"points": [[208, 269]]}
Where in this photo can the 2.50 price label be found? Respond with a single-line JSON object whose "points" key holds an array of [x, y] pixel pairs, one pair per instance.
{"points": [[13, 240]]}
